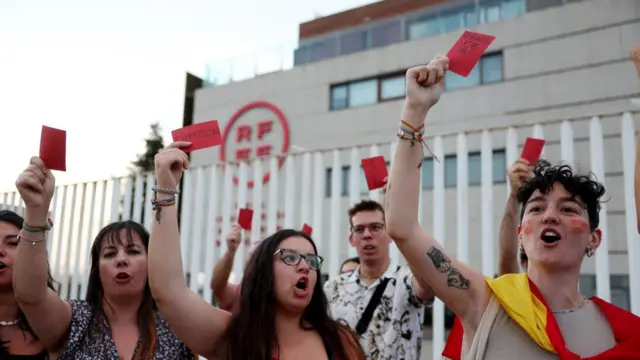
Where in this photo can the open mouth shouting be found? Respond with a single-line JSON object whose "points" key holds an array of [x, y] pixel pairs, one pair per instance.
{"points": [[369, 248], [3, 267], [123, 278], [301, 289], [550, 237]]}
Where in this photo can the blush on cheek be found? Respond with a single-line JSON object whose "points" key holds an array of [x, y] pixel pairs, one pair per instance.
{"points": [[527, 228], [579, 225]]}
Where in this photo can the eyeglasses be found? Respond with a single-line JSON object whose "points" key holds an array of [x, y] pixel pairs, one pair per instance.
{"points": [[293, 258], [374, 228]]}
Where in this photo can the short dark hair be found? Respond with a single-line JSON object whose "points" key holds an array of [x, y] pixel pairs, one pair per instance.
{"points": [[352, 259], [584, 187], [364, 205]]}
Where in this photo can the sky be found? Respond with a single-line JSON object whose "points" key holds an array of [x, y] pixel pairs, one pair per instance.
{"points": [[105, 70]]}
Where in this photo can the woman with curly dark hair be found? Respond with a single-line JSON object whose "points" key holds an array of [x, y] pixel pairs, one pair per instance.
{"points": [[18, 339], [282, 313]]}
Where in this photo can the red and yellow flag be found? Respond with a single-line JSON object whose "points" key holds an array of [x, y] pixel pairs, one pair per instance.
{"points": [[524, 304]]}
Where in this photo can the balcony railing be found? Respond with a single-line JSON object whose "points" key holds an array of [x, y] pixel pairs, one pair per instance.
{"points": [[415, 25], [462, 218]]}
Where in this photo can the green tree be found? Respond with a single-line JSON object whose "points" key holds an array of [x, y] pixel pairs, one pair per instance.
{"points": [[145, 161]]}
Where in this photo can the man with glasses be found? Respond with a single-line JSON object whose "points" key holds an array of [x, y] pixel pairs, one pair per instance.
{"points": [[382, 303]]}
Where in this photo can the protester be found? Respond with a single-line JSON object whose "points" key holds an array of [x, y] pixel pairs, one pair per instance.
{"points": [[383, 303], [349, 265], [535, 315], [118, 319], [282, 311], [17, 338], [225, 292], [509, 255]]}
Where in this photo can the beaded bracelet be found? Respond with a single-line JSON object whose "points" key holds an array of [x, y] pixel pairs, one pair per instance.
{"points": [[160, 190], [35, 229], [410, 133], [32, 241]]}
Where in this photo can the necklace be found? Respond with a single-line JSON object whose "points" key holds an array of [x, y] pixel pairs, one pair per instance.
{"points": [[584, 301], [9, 323]]}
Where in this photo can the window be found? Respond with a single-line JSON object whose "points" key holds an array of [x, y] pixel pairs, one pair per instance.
{"points": [[452, 21], [619, 289], [386, 34], [488, 70], [499, 168], [363, 93], [338, 97], [392, 87], [344, 179], [513, 8], [367, 92], [353, 42], [423, 27]]}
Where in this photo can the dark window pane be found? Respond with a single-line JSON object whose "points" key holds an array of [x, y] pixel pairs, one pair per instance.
{"points": [[427, 173], [323, 50], [345, 180], [392, 87], [301, 56], [454, 81], [450, 171], [471, 18], [499, 166], [338, 97], [386, 34], [475, 169], [491, 68], [327, 183], [353, 42], [513, 8], [490, 11], [363, 92], [423, 27], [451, 21]]}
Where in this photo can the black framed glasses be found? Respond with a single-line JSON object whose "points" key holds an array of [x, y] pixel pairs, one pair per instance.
{"points": [[293, 258], [374, 228]]}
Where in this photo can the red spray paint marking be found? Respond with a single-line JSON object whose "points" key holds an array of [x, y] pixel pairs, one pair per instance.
{"points": [[527, 228], [579, 225]]}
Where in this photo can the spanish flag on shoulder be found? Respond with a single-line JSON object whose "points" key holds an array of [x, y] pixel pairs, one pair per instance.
{"points": [[523, 302]]}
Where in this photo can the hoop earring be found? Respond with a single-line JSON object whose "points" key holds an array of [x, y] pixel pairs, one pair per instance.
{"points": [[590, 252]]}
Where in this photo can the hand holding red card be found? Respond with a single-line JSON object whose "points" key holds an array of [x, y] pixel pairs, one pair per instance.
{"points": [[375, 171], [307, 229], [53, 148], [532, 150], [466, 52], [245, 216], [201, 136]]}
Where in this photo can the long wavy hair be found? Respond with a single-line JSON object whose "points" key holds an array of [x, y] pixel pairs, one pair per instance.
{"points": [[16, 220], [252, 335], [112, 234]]}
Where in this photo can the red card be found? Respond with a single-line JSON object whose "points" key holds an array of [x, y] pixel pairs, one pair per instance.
{"points": [[375, 171], [466, 52], [532, 150], [53, 148], [307, 229], [244, 218], [201, 136]]}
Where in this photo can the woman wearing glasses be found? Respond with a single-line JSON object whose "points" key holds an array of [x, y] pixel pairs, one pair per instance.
{"points": [[282, 311]]}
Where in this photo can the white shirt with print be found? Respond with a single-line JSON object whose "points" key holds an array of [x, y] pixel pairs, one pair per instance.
{"points": [[395, 330]]}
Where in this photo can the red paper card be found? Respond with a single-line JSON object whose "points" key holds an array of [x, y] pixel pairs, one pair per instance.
{"points": [[307, 229], [466, 52], [532, 150], [53, 148], [375, 171], [244, 218], [201, 136]]}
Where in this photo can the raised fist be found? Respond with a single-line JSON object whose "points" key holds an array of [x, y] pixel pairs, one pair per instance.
{"points": [[425, 83], [36, 185], [233, 238], [519, 172], [170, 162]]}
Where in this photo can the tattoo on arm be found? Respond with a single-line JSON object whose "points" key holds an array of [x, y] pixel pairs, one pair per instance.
{"points": [[158, 213], [443, 264]]}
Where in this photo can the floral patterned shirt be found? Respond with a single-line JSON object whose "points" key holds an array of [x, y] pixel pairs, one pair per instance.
{"points": [[90, 338], [395, 330]]}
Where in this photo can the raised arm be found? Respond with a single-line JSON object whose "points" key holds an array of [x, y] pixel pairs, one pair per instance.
{"points": [[48, 315], [509, 254], [462, 289], [635, 57], [220, 286], [198, 324]]}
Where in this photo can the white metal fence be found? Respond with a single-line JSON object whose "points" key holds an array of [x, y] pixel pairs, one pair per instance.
{"points": [[298, 192]]}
